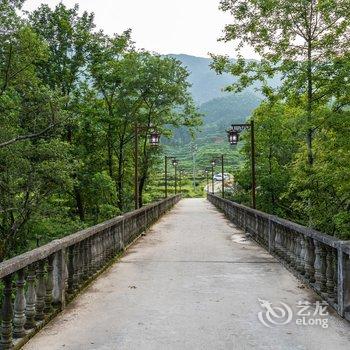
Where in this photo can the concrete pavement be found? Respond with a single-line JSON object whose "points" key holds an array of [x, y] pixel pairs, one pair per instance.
{"points": [[193, 282]]}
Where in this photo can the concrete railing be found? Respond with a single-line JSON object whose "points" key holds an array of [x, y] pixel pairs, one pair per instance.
{"points": [[38, 284], [319, 260]]}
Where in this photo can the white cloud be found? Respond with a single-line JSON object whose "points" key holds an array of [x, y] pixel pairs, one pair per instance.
{"points": [[165, 26]]}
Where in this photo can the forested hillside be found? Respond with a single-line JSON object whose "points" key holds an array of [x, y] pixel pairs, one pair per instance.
{"points": [[303, 125], [206, 84], [71, 100], [219, 109]]}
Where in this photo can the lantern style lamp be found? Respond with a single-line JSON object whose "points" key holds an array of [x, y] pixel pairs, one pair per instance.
{"points": [[175, 162], [154, 138], [213, 163], [233, 136]]}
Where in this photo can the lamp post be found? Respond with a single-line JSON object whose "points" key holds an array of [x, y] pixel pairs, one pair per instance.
{"points": [[207, 176], [212, 175], [221, 158], [180, 179], [175, 164], [222, 177], [233, 138], [166, 158], [136, 166], [154, 138], [194, 150]]}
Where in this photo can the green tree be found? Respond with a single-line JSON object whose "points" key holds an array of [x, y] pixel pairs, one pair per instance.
{"points": [[67, 35], [140, 89], [295, 38], [32, 157], [277, 141], [306, 42]]}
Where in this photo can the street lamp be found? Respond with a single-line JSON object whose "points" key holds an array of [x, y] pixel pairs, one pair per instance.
{"points": [[233, 137], [154, 138], [154, 141]]}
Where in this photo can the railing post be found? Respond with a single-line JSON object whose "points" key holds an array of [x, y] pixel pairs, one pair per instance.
{"points": [[19, 318], [310, 260], [122, 235], [49, 285], [76, 263], [59, 277], [336, 279], [7, 315], [297, 251], [40, 292], [343, 283], [70, 269], [86, 250], [320, 266], [30, 298], [271, 240], [79, 263], [330, 273]]}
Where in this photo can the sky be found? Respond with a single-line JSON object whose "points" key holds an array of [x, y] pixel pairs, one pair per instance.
{"points": [[165, 26]]}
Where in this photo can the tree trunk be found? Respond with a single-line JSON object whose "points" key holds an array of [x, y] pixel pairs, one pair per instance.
{"points": [[79, 203], [142, 183], [110, 152], [120, 175]]}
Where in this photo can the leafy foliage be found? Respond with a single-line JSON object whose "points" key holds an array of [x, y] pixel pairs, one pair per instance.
{"points": [[302, 155], [70, 99]]}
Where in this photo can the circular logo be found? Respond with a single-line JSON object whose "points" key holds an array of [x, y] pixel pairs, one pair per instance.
{"points": [[274, 315]]}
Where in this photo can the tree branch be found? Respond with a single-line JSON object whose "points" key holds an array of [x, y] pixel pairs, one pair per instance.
{"points": [[27, 137]]}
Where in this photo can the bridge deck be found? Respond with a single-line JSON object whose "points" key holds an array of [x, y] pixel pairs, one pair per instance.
{"points": [[192, 282]]}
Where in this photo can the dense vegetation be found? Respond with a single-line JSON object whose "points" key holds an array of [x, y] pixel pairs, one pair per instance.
{"points": [[206, 85], [69, 99], [303, 126]]}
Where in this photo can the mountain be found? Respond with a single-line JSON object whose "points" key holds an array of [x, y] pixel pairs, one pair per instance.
{"points": [[206, 84], [220, 113], [219, 109]]}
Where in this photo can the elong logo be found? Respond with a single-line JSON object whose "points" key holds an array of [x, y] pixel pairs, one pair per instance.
{"points": [[309, 314]]}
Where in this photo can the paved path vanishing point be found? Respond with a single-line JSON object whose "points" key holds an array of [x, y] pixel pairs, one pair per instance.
{"points": [[192, 282]]}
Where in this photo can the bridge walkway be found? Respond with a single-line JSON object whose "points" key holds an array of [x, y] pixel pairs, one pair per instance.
{"points": [[192, 282]]}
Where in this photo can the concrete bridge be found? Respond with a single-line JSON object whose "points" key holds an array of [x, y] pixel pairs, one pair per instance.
{"points": [[198, 278]]}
